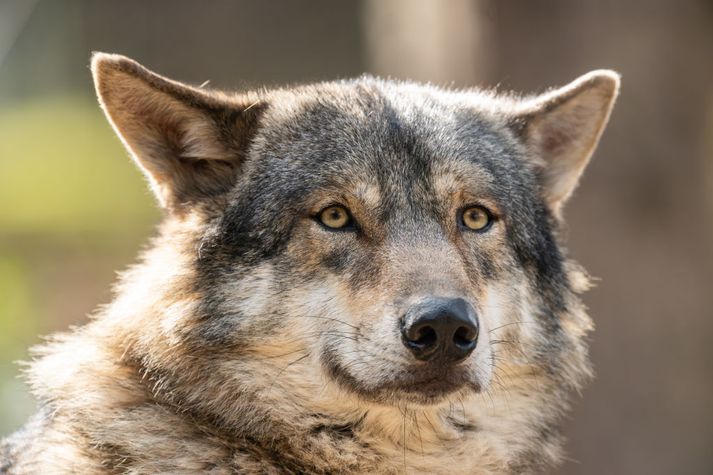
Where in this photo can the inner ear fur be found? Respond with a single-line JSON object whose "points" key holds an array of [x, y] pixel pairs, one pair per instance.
{"points": [[190, 143], [561, 129]]}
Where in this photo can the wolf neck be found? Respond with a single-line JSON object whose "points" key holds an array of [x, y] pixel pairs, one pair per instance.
{"points": [[112, 404], [479, 433]]}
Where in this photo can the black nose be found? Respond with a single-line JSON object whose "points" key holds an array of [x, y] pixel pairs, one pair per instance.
{"points": [[441, 328]]}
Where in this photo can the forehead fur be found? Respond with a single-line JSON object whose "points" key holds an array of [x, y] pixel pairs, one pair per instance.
{"points": [[369, 119], [399, 139]]}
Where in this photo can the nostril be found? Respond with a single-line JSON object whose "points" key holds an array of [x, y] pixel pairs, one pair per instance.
{"points": [[425, 336], [464, 337], [422, 340]]}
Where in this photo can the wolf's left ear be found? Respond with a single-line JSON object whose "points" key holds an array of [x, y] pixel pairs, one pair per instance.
{"points": [[561, 129], [190, 143]]}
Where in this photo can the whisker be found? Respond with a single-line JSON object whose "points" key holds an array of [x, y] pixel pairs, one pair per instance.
{"points": [[319, 317], [418, 428], [506, 325], [274, 380]]}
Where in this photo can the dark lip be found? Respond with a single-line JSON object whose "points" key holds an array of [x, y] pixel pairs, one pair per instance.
{"points": [[433, 386], [431, 389], [421, 384]]}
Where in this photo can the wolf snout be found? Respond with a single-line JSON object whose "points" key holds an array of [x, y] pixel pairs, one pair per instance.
{"points": [[443, 329]]}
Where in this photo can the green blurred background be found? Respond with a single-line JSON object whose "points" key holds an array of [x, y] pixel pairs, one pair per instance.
{"points": [[74, 209]]}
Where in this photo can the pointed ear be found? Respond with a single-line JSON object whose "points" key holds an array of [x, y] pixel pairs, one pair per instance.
{"points": [[561, 129], [190, 143]]}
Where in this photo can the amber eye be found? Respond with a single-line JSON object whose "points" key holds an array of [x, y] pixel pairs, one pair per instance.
{"points": [[476, 218], [335, 217]]}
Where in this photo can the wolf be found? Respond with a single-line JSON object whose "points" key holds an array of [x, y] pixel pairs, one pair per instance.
{"points": [[356, 276]]}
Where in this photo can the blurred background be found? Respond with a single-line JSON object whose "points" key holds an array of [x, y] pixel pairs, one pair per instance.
{"points": [[73, 208]]}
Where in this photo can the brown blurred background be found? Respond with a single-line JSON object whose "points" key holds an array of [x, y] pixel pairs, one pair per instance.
{"points": [[73, 209]]}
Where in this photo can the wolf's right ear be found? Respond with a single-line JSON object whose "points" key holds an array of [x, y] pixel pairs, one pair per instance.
{"points": [[561, 129], [189, 142]]}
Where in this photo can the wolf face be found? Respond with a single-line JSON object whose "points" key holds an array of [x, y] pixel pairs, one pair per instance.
{"points": [[335, 256]]}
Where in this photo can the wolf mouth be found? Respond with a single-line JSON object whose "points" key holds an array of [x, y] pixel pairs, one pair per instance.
{"points": [[439, 385], [423, 385]]}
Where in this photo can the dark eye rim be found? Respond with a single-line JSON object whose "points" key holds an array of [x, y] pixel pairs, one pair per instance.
{"points": [[351, 225], [461, 222]]}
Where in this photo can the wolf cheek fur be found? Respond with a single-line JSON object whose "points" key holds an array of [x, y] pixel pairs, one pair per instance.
{"points": [[253, 337]]}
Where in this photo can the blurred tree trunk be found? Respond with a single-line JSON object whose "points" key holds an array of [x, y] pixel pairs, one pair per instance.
{"points": [[641, 221], [427, 40]]}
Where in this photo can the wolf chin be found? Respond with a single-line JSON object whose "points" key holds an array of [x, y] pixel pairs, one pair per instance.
{"points": [[362, 276]]}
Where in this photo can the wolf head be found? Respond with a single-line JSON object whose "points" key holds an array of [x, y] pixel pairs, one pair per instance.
{"points": [[355, 246]]}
